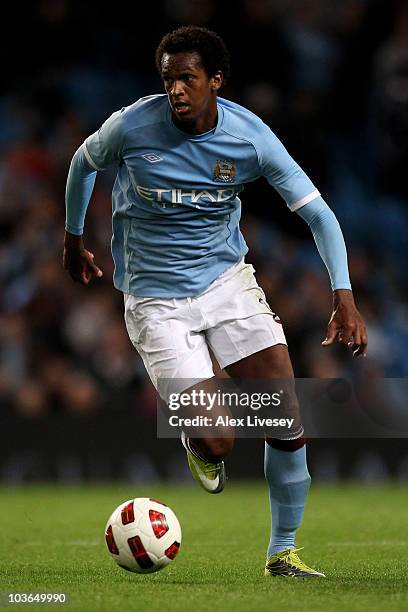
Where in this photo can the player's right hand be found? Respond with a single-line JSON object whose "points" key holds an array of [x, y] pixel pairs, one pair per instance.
{"points": [[80, 264]]}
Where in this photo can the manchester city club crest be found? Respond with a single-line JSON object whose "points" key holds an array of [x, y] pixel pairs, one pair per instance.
{"points": [[224, 171]]}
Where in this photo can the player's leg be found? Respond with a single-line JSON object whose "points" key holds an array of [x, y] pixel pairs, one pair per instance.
{"points": [[285, 466], [252, 345], [214, 448], [206, 454], [166, 333], [206, 446]]}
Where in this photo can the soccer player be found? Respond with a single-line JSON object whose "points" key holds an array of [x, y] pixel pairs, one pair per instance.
{"points": [[183, 157]]}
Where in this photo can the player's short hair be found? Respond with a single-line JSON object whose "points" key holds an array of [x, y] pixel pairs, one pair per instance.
{"points": [[188, 39]]}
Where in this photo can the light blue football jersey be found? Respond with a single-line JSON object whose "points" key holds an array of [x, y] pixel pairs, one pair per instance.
{"points": [[176, 206]]}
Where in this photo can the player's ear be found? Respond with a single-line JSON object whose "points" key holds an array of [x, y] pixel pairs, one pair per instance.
{"points": [[216, 80]]}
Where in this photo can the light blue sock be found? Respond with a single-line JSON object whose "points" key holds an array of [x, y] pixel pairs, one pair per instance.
{"points": [[289, 480]]}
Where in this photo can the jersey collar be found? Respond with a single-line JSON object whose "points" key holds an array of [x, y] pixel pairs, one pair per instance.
{"points": [[197, 137]]}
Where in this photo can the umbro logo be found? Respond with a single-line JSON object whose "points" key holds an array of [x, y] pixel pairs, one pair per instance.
{"points": [[152, 158]]}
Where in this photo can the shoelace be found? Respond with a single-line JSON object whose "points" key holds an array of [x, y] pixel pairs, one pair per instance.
{"points": [[210, 468], [292, 559]]}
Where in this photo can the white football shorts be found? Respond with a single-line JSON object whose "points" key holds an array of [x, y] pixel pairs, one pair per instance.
{"points": [[172, 335]]}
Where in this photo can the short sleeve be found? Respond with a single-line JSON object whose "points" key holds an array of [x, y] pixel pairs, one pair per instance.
{"points": [[282, 172], [105, 146]]}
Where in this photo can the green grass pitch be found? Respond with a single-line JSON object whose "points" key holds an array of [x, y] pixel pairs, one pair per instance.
{"points": [[52, 540]]}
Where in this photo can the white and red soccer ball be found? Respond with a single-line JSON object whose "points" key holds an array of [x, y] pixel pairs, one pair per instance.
{"points": [[143, 535]]}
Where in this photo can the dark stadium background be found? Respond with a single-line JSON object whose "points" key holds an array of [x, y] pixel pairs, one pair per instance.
{"points": [[331, 79]]}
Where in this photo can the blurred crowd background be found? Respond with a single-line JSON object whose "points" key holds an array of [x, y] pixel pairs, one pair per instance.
{"points": [[329, 77]]}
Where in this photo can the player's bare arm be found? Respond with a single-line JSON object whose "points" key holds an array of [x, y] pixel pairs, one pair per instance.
{"points": [[78, 260], [346, 324]]}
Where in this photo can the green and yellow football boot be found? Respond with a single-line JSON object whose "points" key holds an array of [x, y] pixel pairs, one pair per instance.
{"points": [[287, 563], [210, 476]]}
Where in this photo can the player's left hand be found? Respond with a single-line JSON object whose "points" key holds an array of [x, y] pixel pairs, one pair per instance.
{"points": [[346, 324]]}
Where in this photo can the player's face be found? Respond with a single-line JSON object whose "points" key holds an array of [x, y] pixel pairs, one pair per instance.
{"points": [[192, 92]]}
